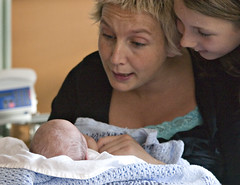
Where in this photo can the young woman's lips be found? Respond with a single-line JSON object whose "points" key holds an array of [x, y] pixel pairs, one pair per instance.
{"points": [[122, 76]]}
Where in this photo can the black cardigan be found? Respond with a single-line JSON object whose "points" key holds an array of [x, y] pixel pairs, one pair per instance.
{"points": [[215, 145]]}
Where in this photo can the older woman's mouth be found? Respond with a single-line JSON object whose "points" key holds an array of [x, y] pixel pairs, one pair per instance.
{"points": [[122, 76]]}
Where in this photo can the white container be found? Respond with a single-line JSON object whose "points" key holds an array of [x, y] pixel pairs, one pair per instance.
{"points": [[17, 95]]}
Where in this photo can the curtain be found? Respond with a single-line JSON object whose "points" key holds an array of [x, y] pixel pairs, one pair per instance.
{"points": [[5, 34], [5, 46]]}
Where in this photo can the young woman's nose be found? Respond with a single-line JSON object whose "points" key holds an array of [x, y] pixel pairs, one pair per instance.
{"points": [[188, 40]]}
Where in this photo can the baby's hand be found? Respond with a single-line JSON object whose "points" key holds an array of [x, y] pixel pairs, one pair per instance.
{"points": [[91, 142]]}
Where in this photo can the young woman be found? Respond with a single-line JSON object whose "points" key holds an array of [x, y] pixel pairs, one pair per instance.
{"points": [[211, 28]]}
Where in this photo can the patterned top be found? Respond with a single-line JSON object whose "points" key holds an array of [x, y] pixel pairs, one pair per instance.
{"points": [[184, 123]]}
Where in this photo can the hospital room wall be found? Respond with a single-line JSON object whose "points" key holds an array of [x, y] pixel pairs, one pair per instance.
{"points": [[51, 37]]}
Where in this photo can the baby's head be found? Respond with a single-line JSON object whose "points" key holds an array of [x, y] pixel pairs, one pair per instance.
{"points": [[59, 137]]}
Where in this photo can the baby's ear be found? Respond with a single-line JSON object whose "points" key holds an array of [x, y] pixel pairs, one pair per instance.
{"points": [[86, 157]]}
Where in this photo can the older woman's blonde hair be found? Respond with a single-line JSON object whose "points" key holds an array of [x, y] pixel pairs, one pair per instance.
{"points": [[162, 10]]}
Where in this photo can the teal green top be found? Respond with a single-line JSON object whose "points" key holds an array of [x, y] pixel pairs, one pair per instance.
{"points": [[169, 128]]}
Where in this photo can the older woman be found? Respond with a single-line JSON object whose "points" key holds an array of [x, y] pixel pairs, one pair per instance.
{"points": [[138, 79]]}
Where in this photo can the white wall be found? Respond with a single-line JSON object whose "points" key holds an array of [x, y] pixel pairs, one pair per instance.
{"points": [[51, 37]]}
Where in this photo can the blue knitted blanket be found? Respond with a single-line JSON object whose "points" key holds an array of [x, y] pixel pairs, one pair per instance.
{"points": [[18, 166], [135, 174], [168, 152]]}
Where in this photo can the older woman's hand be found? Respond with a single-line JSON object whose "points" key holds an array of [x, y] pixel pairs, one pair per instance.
{"points": [[124, 145]]}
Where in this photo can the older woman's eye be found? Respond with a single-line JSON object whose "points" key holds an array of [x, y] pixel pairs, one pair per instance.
{"points": [[108, 36], [138, 44]]}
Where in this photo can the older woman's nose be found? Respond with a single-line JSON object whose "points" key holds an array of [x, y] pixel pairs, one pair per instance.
{"points": [[119, 54]]}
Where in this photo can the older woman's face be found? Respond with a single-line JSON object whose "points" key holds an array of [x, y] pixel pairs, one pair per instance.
{"points": [[132, 48]]}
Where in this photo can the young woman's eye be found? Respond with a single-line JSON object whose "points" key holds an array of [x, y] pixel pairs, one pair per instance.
{"points": [[204, 34]]}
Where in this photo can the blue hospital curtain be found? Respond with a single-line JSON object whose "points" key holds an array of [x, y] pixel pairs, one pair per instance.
{"points": [[5, 34]]}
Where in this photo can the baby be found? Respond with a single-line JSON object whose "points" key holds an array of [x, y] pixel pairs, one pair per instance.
{"points": [[61, 137]]}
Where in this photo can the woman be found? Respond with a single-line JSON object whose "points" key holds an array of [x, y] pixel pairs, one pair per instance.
{"points": [[133, 71], [138, 79], [211, 28]]}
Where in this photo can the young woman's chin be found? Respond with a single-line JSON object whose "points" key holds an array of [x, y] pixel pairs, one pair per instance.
{"points": [[208, 55]]}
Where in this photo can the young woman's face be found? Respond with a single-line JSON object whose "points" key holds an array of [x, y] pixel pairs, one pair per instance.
{"points": [[211, 37], [131, 46]]}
